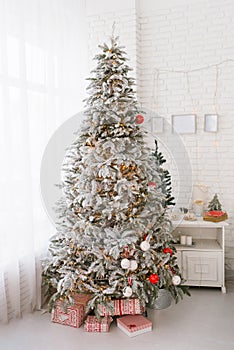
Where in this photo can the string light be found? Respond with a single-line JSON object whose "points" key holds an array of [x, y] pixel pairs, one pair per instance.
{"points": [[195, 69], [157, 72], [189, 92], [216, 89]]}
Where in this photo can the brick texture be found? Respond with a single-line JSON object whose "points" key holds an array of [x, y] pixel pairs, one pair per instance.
{"points": [[168, 48]]}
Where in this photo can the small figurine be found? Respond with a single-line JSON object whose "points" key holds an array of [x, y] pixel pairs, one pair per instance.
{"points": [[215, 212]]}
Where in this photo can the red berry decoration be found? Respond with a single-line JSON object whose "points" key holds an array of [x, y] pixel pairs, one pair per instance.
{"points": [[126, 251], [167, 250], [139, 119], [172, 270], [153, 278]]}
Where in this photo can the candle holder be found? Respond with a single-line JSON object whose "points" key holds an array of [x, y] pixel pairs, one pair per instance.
{"points": [[198, 206]]}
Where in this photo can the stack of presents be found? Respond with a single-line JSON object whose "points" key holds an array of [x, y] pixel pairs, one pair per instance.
{"points": [[127, 312]]}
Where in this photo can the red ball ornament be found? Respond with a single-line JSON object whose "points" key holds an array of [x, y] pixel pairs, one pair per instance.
{"points": [[153, 278], [139, 119], [152, 184], [167, 250]]}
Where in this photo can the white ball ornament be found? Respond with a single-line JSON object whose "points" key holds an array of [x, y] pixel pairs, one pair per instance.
{"points": [[125, 263], [145, 246], [133, 265], [176, 280], [127, 292]]}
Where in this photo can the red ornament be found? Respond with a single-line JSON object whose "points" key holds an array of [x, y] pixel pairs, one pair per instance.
{"points": [[126, 251], [129, 281], [145, 236], [139, 119], [167, 250], [153, 278], [172, 270], [152, 184]]}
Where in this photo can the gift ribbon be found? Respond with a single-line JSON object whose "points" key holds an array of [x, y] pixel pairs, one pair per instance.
{"points": [[120, 307], [131, 326]]}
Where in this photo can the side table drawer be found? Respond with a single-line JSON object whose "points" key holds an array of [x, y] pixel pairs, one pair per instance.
{"points": [[202, 268]]}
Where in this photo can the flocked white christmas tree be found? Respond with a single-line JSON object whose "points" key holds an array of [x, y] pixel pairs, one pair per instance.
{"points": [[113, 236]]}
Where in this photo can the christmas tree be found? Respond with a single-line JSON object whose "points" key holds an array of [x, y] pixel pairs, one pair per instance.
{"points": [[165, 177], [113, 235], [215, 204]]}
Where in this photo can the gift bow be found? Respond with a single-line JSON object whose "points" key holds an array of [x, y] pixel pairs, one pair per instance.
{"points": [[131, 326]]}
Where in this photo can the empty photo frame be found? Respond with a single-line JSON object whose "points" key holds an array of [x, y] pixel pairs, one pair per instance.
{"points": [[184, 124], [211, 123]]}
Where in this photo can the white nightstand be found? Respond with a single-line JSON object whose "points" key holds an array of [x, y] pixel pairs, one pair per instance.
{"points": [[202, 263]]}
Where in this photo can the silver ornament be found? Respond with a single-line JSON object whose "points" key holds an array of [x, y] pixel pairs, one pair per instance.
{"points": [[127, 292], [133, 265], [176, 280], [145, 246], [125, 263]]}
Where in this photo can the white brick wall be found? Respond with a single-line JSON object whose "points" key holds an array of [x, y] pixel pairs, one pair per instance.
{"points": [[183, 35], [100, 28], [187, 37]]}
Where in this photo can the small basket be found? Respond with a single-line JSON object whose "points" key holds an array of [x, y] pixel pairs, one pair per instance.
{"points": [[163, 300], [207, 217]]}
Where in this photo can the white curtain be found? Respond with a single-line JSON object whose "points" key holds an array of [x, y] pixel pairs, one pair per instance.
{"points": [[42, 83]]}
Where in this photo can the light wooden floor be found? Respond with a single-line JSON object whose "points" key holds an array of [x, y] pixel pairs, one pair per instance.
{"points": [[203, 321]]}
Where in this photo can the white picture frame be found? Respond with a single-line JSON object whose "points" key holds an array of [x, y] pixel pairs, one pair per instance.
{"points": [[184, 124], [211, 123]]}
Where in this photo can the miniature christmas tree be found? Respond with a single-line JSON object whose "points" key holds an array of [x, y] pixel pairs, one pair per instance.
{"points": [[113, 236], [165, 177], [215, 204], [215, 212]]}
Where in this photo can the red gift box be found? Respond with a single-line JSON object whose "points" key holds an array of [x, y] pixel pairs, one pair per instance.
{"points": [[133, 325], [122, 307], [93, 324], [75, 313]]}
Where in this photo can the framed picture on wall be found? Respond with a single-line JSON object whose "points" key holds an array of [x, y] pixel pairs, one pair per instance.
{"points": [[211, 123], [184, 124]]}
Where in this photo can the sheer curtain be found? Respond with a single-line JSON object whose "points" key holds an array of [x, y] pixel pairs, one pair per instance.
{"points": [[42, 83]]}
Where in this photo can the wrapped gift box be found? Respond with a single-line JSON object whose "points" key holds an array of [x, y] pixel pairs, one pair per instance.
{"points": [[122, 307], [134, 325], [75, 314], [93, 324]]}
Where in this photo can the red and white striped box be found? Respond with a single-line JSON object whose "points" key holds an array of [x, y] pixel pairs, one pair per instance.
{"points": [[93, 324], [75, 313], [122, 307], [133, 325]]}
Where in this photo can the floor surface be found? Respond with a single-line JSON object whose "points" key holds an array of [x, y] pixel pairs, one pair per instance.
{"points": [[203, 321]]}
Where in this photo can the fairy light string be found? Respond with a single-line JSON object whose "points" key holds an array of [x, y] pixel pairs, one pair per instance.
{"points": [[157, 74], [194, 69], [158, 71]]}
